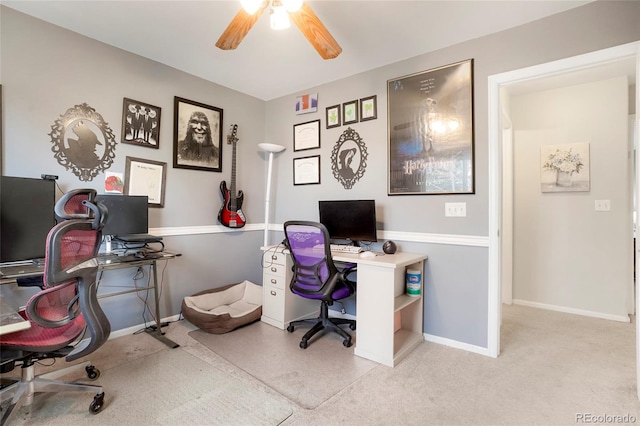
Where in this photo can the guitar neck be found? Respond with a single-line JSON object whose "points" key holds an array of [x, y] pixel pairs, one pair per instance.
{"points": [[232, 190]]}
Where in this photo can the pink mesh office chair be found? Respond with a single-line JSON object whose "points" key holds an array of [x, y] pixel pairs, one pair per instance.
{"points": [[315, 276], [64, 312]]}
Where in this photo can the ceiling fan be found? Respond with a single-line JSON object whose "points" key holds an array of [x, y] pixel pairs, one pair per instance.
{"points": [[280, 11]]}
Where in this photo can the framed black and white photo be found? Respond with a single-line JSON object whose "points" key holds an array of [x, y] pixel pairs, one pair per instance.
{"points": [[306, 170], [197, 136], [146, 177], [306, 135], [140, 123], [431, 132]]}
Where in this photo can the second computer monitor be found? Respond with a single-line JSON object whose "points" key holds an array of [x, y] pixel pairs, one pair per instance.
{"points": [[127, 214], [353, 220]]}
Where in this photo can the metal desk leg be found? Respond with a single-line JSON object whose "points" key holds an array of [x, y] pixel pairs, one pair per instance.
{"points": [[157, 333]]}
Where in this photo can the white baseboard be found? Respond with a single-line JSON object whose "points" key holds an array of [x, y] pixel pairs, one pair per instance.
{"points": [[458, 345], [619, 318]]}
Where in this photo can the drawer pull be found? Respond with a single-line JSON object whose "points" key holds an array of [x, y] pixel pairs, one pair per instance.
{"points": [[274, 269], [274, 257], [273, 281], [273, 293]]}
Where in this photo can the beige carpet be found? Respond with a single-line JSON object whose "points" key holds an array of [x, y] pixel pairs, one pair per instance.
{"points": [[308, 377], [169, 387]]}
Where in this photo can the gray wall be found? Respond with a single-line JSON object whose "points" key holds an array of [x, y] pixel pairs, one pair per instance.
{"points": [[456, 280], [558, 235], [46, 70]]}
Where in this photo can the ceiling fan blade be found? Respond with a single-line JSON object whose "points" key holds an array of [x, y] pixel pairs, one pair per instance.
{"points": [[315, 32], [239, 27]]}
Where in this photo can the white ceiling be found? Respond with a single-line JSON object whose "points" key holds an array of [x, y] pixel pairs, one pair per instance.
{"points": [[269, 64]]}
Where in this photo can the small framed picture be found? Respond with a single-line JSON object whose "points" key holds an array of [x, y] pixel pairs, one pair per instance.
{"points": [[306, 170], [333, 116], [140, 124], [146, 177], [307, 103], [350, 112], [368, 108], [306, 135], [197, 136]]}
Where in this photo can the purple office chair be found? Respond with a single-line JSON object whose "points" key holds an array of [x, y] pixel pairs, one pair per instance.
{"points": [[315, 276], [64, 312]]}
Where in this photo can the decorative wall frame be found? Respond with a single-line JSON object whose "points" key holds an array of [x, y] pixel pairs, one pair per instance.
{"points": [[349, 158], [307, 103], [350, 112], [197, 136], [430, 131], [146, 177], [140, 123], [565, 168], [368, 108], [306, 170], [306, 135], [333, 116], [83, 142]]}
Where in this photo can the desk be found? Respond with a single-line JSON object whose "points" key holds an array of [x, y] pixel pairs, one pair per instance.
{"points": [[389, 322], [10, 320], [108, 262]]}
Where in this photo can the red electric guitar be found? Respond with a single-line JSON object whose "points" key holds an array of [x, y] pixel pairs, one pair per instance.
{"points": [[230, 214]]}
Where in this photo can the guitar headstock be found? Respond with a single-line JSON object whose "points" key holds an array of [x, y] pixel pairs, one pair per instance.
{"points": [[232, 137]]}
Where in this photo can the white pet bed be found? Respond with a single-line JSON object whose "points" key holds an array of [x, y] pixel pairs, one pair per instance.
{"points": [[220, 310]]}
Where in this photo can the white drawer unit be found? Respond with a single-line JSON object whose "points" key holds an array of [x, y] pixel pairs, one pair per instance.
{"points": [[279, 305]]}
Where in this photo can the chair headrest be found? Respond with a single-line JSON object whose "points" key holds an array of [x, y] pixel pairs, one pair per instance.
{"points": [[80, 204]]}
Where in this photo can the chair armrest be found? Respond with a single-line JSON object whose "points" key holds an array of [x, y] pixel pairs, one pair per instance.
{"points": [[38, 308]]}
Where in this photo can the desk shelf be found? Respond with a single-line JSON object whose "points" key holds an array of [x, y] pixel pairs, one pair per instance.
{"points": [[403, 301]]}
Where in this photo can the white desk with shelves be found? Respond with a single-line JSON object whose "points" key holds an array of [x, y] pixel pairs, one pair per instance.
{"points": [[389, 321]]}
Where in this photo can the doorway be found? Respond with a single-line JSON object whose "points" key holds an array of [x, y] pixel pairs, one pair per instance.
{"points": [[557, 70]]}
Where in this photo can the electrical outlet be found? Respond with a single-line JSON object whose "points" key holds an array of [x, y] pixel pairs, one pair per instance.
{"points": [[603, 205], [455, 209]]}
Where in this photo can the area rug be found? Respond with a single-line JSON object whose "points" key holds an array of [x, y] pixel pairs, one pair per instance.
{"points": [[181, 388], [308, 377]]}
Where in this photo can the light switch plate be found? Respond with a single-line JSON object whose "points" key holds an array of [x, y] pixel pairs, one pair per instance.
{"points": [[603, 205], [455, 209]]}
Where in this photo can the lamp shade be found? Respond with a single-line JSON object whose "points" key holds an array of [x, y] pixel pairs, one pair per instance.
{"points": [[270, 147]]}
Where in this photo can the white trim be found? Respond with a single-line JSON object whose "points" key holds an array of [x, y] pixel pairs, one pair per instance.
{"points": [[495, 82], [458, 345], [450, 239], [593, 314]]}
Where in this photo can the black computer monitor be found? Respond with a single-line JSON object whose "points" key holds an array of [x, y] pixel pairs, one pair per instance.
{"points": [[26, 217], [127, 214], [353, 220]]}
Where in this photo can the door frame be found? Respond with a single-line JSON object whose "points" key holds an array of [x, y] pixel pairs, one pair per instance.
{"points": [[496, 173]]}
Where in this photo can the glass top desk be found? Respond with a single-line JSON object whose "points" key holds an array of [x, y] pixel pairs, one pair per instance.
{"points": [[10, 273]]}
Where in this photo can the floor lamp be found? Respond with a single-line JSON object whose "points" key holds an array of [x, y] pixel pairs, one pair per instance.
{"points": [[271, 149]]}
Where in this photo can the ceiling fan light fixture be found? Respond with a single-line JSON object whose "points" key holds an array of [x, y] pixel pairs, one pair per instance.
{"points": [[251, 6], [279, 16], [292, 5]]}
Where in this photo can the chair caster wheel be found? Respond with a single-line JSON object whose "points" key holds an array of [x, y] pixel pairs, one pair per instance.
{"points": [[304, 343], [290, 328], [92, 372], [352, 326], [346, 343], [98, 403]]}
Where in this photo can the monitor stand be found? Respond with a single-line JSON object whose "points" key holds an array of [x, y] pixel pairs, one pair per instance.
{"points": [[107, 244]]}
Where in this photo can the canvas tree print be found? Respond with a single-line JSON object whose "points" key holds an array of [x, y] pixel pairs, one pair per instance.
{"points": [[564, 168]]}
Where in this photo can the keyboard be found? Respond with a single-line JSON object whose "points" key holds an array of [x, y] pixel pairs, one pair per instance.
{"points": [[344, 248]]}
